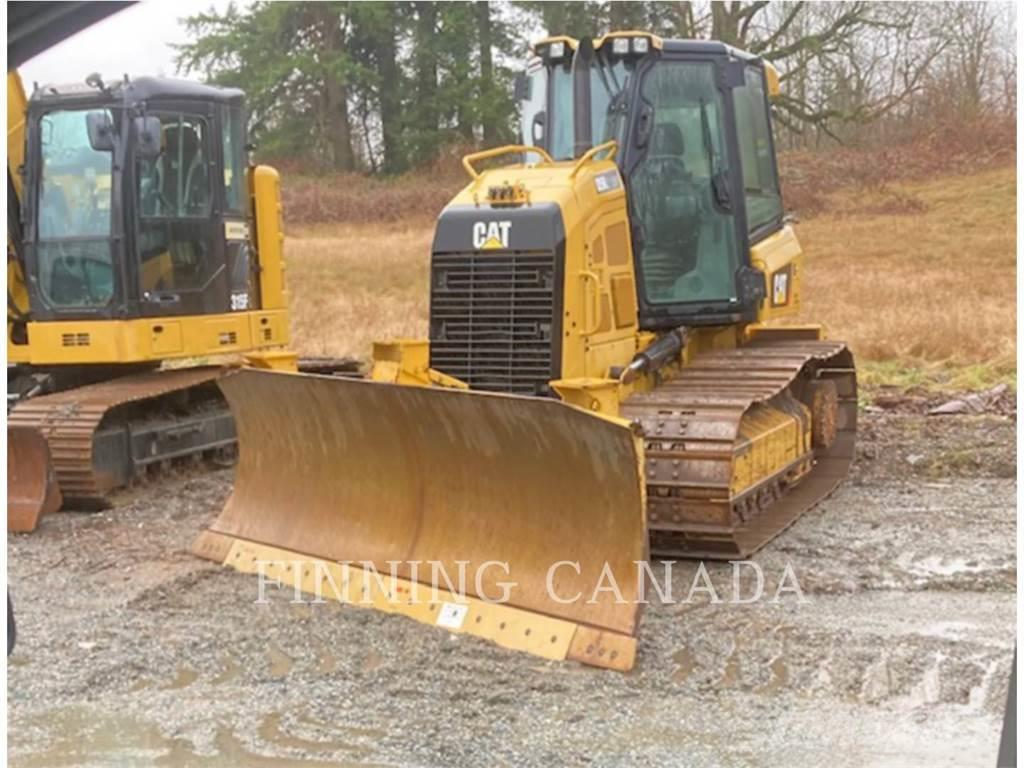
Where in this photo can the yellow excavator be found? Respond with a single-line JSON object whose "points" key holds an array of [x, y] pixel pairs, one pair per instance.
{"points": [[137, 234], [612, 371]]}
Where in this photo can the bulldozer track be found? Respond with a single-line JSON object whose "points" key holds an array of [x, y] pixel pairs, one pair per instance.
{"points": [[69, 421], [691, 427]]}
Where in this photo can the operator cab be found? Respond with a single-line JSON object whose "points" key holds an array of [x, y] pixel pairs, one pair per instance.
{"points": [[691, 119], [135, 201]]}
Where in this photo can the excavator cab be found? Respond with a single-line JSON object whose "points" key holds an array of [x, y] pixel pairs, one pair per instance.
{"points": [[695, 151], [135, 203]]}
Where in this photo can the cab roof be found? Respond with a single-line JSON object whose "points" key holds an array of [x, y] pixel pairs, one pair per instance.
{"points": [[141, 89], [684, 46]]}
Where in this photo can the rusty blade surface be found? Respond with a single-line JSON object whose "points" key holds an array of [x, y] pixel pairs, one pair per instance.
{"points": [[691, 427], [349, 470], [68, 420], [32, 489]]}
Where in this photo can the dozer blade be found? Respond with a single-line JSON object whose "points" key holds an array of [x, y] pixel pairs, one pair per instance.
{"points": [[32, 489], [343, 471]]}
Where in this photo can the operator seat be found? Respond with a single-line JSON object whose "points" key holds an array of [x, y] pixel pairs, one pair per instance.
{"points": [[672, 223]]}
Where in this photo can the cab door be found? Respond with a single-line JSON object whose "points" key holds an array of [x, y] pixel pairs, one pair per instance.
{"points": [[179, 244]]}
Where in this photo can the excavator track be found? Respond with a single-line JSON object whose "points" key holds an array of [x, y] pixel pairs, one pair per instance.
{"points": [[102, 436], [751, 413]]}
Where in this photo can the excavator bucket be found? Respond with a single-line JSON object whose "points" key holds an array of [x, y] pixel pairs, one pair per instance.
{"points": [[520, 520], [32, 489]]}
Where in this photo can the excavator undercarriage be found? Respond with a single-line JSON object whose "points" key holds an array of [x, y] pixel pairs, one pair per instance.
{"points": [[106, 435]]}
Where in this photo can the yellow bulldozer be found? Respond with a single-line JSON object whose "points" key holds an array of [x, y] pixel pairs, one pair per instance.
{"points": [[137, 234], [605, 378]]}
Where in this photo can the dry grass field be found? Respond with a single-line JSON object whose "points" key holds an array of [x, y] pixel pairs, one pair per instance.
{"points": [[918, 276], [352, 284]]}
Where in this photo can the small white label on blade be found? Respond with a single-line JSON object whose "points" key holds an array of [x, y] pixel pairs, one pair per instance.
{"points": [[452, 615]]}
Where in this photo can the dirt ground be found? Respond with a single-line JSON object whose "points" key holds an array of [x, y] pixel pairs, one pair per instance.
{"points": [[133, 652]]}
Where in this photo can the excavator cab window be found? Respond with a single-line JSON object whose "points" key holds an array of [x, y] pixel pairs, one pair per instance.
{"points": [[74, 213], [175, 183], [174, 194], [233, 144]]}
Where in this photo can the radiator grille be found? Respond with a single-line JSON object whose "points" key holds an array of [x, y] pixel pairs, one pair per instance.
{"points": [[492, 320]]}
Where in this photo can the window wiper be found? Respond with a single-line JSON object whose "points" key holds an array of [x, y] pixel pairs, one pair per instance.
{"points": [[603, 76], [719, 179], [613, 91]]}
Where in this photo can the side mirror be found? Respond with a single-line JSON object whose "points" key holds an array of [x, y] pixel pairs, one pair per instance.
{"points": [[537, 128], [101, 131], [147, 137]]}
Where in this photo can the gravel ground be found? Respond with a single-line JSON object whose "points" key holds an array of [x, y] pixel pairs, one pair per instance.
{"points": [[133, 652]]}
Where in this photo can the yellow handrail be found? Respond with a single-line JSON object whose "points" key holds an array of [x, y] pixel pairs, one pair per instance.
{"points": [[468, 160], [612, 147]]}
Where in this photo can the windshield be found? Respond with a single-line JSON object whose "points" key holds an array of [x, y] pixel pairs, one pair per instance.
{"points": [[74, 213], [680, 206], [608, 84]]}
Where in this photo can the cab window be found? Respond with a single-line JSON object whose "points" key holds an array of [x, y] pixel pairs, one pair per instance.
{"points": [[534, 104], [74, 214], [680, 192], [174, 191], [233, 146], [760, 181], [176, 183], [560, 142]]}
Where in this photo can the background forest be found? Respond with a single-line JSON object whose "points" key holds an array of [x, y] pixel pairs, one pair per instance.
{"points": [[896, 125], [385, 87]]}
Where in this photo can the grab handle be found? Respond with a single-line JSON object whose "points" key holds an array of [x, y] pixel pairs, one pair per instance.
{"points": [[612, 147], [468, 160]]}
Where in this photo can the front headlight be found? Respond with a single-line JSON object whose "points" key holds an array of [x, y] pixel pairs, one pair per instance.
{"points": [[556, 50], [641, 45], [620, 46]]}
